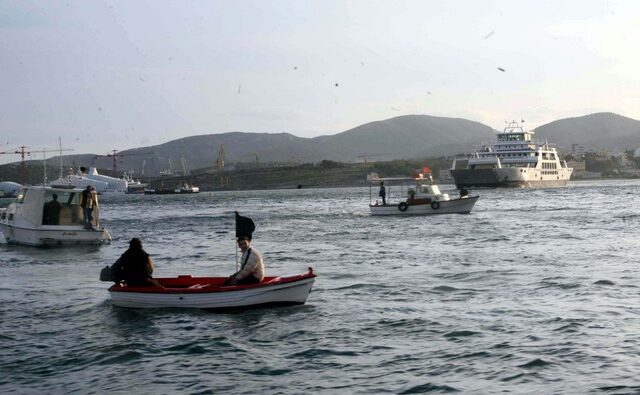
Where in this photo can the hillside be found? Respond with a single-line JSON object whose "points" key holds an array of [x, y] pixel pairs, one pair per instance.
{"points": [[410, 136], [594, 132], [404, 137]]}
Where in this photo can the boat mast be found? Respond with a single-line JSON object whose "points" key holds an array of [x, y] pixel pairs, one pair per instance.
{"points": [[44, 166], [60, 148], [185, 172]]}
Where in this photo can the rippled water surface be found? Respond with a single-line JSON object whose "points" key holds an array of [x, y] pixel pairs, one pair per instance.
{"points": [[535, 291]]}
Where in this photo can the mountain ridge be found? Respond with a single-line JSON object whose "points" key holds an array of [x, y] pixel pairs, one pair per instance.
{"points": [[402, 137]]}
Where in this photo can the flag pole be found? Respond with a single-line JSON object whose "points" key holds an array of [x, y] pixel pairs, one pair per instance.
{"points": [[244, 228]]}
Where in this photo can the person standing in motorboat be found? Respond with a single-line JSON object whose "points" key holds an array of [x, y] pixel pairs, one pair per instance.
{"points": [[95, 209], [383, 193], [252, 269], [134, 267], [89, 202], [85, 198]]}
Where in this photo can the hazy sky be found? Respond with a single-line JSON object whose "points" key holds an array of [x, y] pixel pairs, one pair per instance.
{"points": [[107, 75]]}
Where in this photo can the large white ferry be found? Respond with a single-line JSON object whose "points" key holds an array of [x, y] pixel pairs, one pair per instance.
{"points": [[515, 160]]}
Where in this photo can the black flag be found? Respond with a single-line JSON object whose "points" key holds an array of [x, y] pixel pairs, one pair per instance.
{"points": [[244, 226]]}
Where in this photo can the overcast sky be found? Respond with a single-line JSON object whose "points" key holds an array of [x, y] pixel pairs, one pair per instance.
{"points": [[106, 75]]}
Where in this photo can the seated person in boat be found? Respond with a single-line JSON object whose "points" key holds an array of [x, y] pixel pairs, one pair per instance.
{"points": [[252, 269], [51, 212], [134, 267], [412, 195]]}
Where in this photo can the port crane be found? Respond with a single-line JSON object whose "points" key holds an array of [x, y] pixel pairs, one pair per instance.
{"points": [[23, 152]]}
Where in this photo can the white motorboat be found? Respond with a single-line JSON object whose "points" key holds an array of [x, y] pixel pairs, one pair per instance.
{"points": [[422, 197], [210, 293], [44, 216], [515, 160]]}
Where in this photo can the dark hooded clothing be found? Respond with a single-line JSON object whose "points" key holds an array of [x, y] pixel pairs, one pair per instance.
{"points": [[135, 268]]}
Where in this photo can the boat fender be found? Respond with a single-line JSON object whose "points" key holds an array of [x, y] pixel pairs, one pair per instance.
{"points": [[435, 205], [403, 206]]}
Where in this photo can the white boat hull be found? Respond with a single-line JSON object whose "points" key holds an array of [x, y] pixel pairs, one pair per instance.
{"points": [[510, 177], [278, 294], [41, 237], [453, 206]]}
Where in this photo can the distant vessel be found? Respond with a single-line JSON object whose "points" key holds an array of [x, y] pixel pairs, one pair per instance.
{"points": [[103, 184], [9, 189], [181, 188], [186, 188], [515, 160], [134, 186]]}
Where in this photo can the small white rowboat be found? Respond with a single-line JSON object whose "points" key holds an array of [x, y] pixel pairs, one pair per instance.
{"points": [[209, 293]]}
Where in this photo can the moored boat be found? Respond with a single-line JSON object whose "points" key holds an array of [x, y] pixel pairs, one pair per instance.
{"points": [[210, 293], [103, 184], [186, 188], [515, 160], [44, 216], [422, 198], [180, 189]]}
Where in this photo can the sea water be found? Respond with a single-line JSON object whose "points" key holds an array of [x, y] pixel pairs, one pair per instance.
{"points": [[535, 291]]}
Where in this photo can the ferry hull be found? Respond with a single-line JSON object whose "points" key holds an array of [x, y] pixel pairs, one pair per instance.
{"points": [[511, 178], [454, 206]]}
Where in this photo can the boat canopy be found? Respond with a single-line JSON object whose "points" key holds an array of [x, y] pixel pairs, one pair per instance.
{"points": [[33, 202]]}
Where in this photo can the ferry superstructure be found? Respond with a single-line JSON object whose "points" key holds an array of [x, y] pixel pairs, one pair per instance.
{"points": [[514, 160]]}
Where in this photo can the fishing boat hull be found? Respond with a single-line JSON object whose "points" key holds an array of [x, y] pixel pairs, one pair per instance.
{"points": [[43, 237], [453, 206], [210, 293]]}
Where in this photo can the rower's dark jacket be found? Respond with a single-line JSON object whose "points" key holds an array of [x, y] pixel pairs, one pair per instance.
{"points": [[134, 267]]}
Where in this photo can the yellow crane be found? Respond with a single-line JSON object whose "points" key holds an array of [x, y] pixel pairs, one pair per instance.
{"points": [[220, 160]]}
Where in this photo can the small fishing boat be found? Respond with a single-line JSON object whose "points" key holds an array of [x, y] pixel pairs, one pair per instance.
{"points": [[210, 293], [181, 188], [45, 216], [186, 188], [421, 198]]}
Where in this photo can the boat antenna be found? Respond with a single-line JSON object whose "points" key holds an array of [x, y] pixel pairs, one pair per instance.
{"points": [[60, 148], [44, 166]]}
